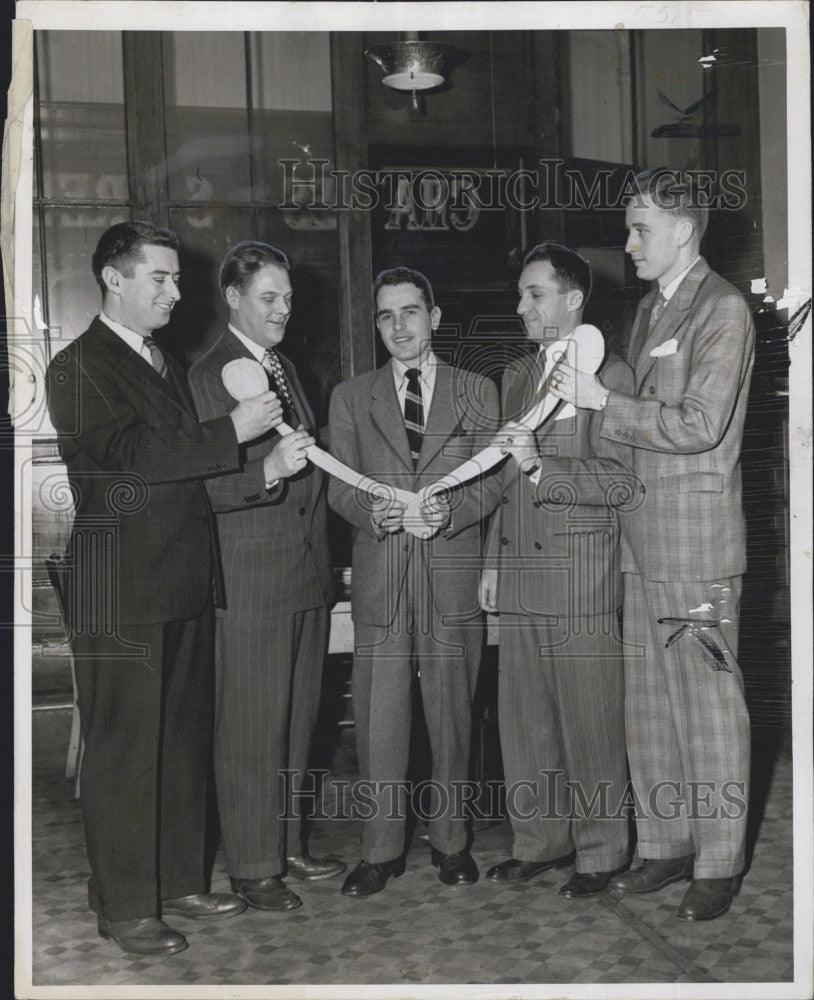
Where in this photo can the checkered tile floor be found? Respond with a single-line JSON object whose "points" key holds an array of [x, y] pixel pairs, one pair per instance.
{"points": [[418, 931]]}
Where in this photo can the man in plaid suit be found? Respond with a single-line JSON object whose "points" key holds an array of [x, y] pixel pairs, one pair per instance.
{"points": [[683, 552]]}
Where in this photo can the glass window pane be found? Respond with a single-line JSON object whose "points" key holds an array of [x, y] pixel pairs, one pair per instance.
{"points": [[74, 298], [291, 70], [82, 131], [206, 117]]}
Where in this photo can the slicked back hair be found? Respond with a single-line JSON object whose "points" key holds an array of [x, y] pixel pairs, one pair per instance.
{"points": [[244, 260], [405, 276], [676, 192], [570, 267], [121, 245]]}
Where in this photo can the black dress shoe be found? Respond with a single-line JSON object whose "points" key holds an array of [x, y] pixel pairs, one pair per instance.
{"points": [[513, 870], [708, 898], [455, 869], [582, 884], [205, 906], [308, 869], [370, 877], [269, 893], [145, 936], [653, 875]]}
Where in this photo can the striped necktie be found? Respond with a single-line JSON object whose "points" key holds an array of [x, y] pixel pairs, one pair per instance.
{"points": [[158, 360], [657, 310], [272, 365], [414, 413]]}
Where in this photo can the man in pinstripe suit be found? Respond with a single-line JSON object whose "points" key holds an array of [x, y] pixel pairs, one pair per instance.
{"points": [[271, 639], [552, 572], [138, 583], [684, 555]]}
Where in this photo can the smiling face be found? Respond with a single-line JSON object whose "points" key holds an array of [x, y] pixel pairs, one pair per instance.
{"points": [[261, 310], [655, 241], [405, 323], [143, 299], [549, 311]]}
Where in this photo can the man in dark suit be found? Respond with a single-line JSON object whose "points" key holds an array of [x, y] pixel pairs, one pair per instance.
{"points": [[414, 601], [684, 552], [271, 639], [138, 581], [552, 573]]}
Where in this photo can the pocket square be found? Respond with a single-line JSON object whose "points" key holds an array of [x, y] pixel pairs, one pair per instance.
{"points": [[663, 350]]}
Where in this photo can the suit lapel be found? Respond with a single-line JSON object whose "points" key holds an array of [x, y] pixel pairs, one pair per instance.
{"points": [[386, 414], [442, 418]]}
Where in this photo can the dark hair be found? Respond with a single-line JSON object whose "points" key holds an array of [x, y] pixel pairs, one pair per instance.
{"points": [[570, 267], [677, 192], [121, 247], [244, 260], [405, 276]]}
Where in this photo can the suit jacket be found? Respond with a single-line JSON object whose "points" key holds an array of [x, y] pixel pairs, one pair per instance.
{"points": [[274, 544], [142, 546], [684, 421], [555, 544], [367, 433]]}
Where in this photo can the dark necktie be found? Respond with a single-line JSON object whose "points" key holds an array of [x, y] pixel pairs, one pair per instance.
{"points": [[158, 360], [272, 365], [414, 413]]}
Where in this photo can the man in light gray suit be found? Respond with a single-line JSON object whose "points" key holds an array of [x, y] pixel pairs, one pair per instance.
{"points": [[272, 638], [692, 350]]}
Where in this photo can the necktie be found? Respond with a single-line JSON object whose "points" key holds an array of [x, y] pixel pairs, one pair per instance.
{"points": [[272, 365], [657, 310], [414, 413], [156, 357]]}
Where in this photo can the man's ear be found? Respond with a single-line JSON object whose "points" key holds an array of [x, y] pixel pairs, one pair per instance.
{"points": [[686, 231], [435, 318], [112, 279], [575, 299], [232, 296]]}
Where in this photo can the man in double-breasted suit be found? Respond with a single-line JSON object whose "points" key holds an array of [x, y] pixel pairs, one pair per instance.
{"points": [[414, 602], [552, 573], [138, 584], [271, 638], [684, 553]]}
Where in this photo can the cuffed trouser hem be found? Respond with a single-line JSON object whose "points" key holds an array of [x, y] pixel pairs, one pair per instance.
{"points": [[534, 853], [382, 854], [447, 847], [133, 909], [718, 870], [258, 869], [600, 862], [189, 887], [664, 852]]}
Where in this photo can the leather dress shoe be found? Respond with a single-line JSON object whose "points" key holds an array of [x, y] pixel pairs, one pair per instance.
{"points": [[582, 884], [308, 869], [144, 936], [455, 869], [513, 870], [708, 898], [269, 893], [654, 874], [369, 877], [205, 906]]}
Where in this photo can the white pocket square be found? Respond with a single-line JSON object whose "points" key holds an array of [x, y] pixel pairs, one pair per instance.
{"points": [[663, 350]]}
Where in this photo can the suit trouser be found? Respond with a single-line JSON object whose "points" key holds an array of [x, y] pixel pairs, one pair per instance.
{"points": [[447, 658], [687, 725], [561, 717], [269, 676], [146, 719]]}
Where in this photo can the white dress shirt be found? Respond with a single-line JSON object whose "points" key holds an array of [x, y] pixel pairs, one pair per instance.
{"points": [[670, 289], [426, 379], [132, 339]]}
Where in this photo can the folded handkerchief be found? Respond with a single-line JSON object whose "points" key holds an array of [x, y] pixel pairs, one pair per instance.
{"points": [[568, 410], [663, 350]]}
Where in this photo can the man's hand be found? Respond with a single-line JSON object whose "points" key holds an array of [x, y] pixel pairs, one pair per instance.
{"points": [[253, 417], [288, 457], [435, 511], [487, 591], [387, 520], [517, 440], [585, 391]]}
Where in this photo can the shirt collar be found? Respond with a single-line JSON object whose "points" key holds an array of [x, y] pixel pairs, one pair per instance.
{"points": [[669, 290], [130, 337], [256, 350], [427, 369]]}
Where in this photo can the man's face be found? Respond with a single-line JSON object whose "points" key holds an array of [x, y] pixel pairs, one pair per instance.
{"points": [[654, 241], [143, 301], [548, 311], [262, 309], [404, 321]]}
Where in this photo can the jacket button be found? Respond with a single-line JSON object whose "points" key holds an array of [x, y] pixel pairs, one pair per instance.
{"points": [[537, 545], [652, 390], [302, 510], [504, 541], [538, 503], [504, 499]]}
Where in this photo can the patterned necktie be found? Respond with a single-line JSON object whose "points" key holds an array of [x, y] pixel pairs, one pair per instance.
{"points": [[657, 310], [272, 365], [414, 413], [158, 360]]}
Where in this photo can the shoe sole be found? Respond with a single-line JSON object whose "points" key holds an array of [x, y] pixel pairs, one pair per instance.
{"points": [[317, 878], [107, 936], [461, 881], [206, 916], [563, 862], [655, 888], [269, 909]]}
